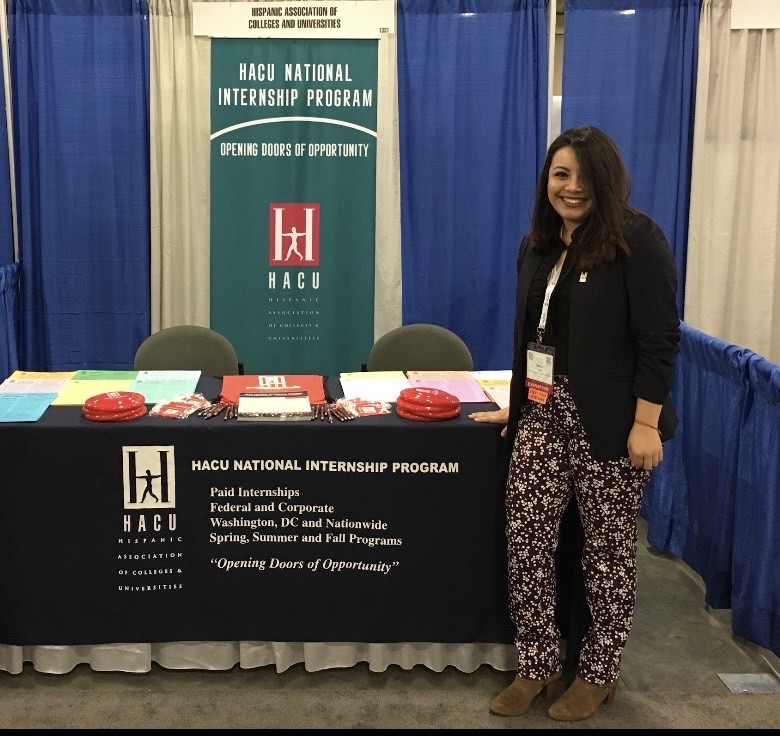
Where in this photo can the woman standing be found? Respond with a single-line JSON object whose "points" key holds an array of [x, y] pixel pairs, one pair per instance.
{"points": [[595, 342]]}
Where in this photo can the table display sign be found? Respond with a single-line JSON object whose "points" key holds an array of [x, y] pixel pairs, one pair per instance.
{"points": [[375, 530]]}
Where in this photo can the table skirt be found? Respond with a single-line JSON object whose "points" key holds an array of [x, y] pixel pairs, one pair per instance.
{"points": [[315, 656]]}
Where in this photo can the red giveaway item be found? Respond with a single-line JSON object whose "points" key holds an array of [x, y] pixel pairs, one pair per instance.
{"points": [[426, 404], [113, 401], [114, 406], [119, 416], [428, 411], [425, 416], [431, 397]]}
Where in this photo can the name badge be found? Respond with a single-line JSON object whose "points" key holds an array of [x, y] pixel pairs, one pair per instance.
{"points": [[539, 372]]}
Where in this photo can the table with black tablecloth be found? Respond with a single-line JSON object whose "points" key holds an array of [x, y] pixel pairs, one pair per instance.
{"points": [[377, 530]]}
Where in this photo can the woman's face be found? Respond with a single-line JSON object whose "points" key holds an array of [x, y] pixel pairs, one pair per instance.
{"points": [[565, 189]]}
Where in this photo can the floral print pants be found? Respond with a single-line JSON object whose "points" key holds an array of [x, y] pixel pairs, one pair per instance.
{"points": [[551, 459]]}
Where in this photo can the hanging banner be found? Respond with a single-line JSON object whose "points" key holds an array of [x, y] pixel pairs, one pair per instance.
{"points": [[335, 19], [293, 181], [293, 185]]}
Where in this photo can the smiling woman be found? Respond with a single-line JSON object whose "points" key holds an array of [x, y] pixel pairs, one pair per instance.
{"points": [[568, 192], [583, 423]]}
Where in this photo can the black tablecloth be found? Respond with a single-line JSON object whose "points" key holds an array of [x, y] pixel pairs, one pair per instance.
{"points": [[380, 530]]}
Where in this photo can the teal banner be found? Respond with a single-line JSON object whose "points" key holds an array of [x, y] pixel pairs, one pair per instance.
{"points": [[293, 201]]}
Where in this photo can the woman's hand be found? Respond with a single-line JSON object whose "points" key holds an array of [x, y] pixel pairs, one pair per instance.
{"points": [[499, 416], [644, 447]]}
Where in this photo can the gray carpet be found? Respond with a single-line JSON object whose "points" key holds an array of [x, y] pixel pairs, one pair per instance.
{"points": [[670, 679]]}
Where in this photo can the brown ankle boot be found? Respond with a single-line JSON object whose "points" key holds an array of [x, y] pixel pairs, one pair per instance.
{"points": [[517, 698], [581, 700]]}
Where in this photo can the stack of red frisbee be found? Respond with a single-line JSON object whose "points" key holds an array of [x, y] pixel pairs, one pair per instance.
{"points": [[114, 406], [426, 404]]}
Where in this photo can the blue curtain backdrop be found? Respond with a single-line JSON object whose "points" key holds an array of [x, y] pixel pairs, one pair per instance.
{"points": [[9, 277], [6, 224], [472, 99], [9, 283], [80, 81], [630, 68], [755, 600], [713, 500], [692, 496]]}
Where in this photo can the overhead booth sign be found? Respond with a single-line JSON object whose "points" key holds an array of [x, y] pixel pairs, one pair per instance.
{"points": [[293, 179]]}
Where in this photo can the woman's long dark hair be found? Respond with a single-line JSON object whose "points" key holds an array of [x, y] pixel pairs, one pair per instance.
{"points": [[600, 236]]}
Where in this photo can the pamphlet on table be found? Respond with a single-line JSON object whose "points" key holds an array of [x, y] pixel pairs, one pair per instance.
{"points": [[312, 384], [284, 406], [374, 385]]}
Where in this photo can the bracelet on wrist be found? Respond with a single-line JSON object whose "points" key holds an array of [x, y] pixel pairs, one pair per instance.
{"points": [[646, 424]]}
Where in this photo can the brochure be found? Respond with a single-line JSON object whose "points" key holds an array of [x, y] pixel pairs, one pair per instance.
{"points": [[285, 406]]}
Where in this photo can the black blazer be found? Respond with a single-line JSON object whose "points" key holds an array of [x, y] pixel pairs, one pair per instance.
{"points": [[624, 333]]}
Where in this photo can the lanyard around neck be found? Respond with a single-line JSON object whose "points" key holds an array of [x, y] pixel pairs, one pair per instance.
{"points": [[552, 280]]}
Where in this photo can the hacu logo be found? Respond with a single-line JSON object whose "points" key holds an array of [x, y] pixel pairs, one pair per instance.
{"points": [[294, 235], [149, 477]]}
